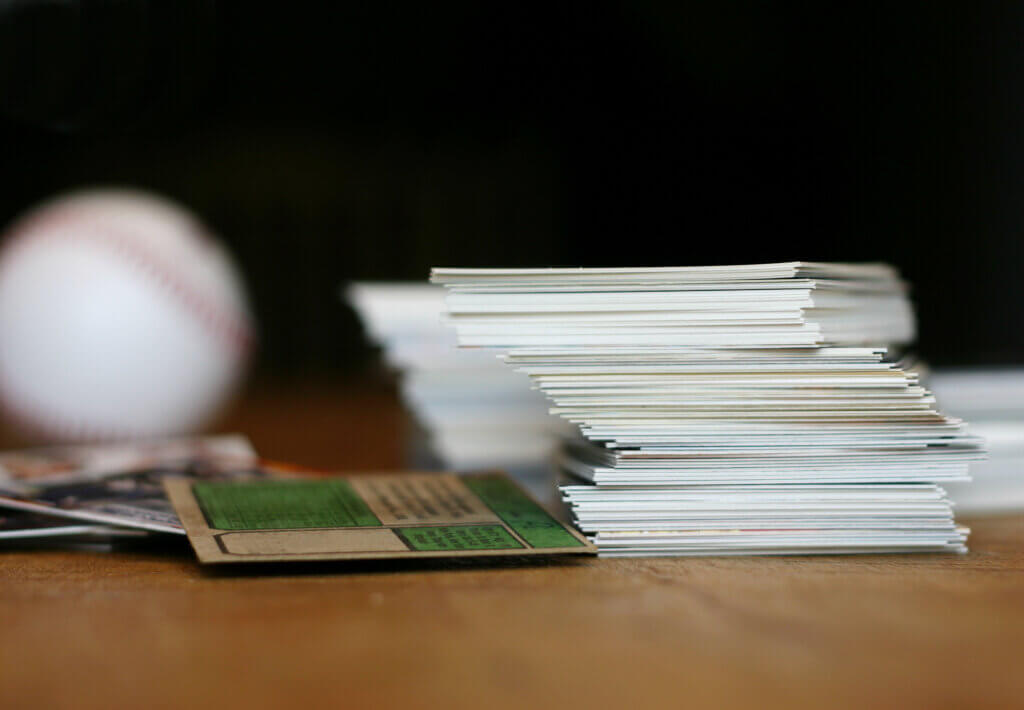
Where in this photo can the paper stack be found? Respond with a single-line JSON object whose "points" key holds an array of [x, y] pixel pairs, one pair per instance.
{"points": [[729, 409], [993, 400], [476, 412]]}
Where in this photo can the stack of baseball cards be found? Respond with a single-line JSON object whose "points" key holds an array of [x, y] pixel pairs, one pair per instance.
{"points": [[475, 413], [721, 410]]}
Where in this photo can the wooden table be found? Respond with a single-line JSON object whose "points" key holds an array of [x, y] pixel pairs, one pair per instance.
{"points": [[147, 628]]}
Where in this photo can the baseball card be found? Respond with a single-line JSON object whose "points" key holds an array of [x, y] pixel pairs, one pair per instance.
{"points": [[382, 516], [20, 526]]}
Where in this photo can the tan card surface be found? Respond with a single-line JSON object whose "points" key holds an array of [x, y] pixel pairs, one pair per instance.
{"points": [[402, 515]]}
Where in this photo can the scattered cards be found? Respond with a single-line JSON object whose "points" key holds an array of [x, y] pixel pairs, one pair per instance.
{"points": [[77, 463], [121, 484], [18, 525], [238, 508]]}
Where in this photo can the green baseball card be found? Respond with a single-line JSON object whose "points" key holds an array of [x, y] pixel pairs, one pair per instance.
{"points": [[411, 515]]}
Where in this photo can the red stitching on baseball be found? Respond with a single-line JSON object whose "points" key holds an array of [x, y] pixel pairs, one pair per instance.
{"points": [[235, 334]]}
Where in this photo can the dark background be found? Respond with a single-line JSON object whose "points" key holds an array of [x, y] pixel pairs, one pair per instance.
{"points": [[337, 141]]}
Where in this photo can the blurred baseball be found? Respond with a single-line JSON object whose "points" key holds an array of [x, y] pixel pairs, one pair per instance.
{"points": [[119, 317]]}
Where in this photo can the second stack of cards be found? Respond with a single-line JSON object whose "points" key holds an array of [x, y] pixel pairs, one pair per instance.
{"points": [[730, 410]]}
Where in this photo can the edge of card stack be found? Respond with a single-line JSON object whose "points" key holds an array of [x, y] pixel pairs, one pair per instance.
{"points": [[474, 411], [755, 409], [992, 398]]}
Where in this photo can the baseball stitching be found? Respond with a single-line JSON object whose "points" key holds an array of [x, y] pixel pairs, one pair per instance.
{"points": [[236, 335]]}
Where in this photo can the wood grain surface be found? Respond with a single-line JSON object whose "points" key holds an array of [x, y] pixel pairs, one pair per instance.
{"points": [[146, 627]]}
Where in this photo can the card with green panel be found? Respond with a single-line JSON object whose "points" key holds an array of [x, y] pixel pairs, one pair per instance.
{"points": [[372, 516]]}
